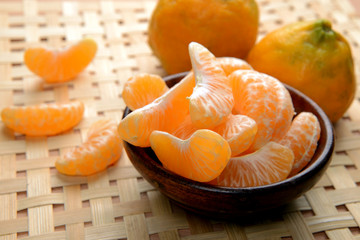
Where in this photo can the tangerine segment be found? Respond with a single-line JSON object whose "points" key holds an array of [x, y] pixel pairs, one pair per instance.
{"points": [[185, 129], [239, 131], [271, 163], [43, 119], [142, 89], [202, 157], [264, 99], [102, 148], [231, 64], [302, 138], [56, 66], [212, 99], [164, 113]]}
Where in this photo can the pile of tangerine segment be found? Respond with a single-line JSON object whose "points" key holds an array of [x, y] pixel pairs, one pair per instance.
{"points": [[223, 123], [103, 146]]}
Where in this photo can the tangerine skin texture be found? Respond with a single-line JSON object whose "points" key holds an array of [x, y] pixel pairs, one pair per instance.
{"points": [[226, 28], [102, 148], [312, 58], [43, 119], [56, 66]]}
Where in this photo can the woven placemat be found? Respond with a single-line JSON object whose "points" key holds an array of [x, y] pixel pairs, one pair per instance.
{"points": [[38, 203]]}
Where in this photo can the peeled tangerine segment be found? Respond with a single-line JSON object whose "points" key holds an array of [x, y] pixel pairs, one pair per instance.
{"points": [[142, 89], [56, 66], [43, 119], [238, 130], [212, 99], [264, 99], [202, 157], [102, 148], [302, 139], [231, 64], [271, 163], [164, 114]]}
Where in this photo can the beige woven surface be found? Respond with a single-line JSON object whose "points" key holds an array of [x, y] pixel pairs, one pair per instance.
{"points": [[38, 203]]}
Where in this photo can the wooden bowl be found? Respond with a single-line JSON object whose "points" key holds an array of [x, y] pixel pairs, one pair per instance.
{"points": [[225, 202]]}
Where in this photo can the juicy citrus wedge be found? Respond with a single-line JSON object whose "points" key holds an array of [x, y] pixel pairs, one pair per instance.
{"points": [[56, 66], [202, 157], [102, 148], [238, 130], [142, 89], [271, 163], [264, 99], [302, 138], [43, 119], [164, 113], [212, 99], [231, 64]]}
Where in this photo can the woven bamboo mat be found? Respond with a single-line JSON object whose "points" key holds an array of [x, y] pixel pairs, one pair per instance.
{"points": [[38, 203]]}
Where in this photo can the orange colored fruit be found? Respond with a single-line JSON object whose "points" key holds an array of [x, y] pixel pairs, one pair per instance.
{"points": [[164, 114], [302, 138], [271, 163], [226, 28], [238, 130], [142, 89], [212, 99], [43, 119], [264, 99], [202, 157], [102, 148], [231, 64], [56, 66], [313, 58]]}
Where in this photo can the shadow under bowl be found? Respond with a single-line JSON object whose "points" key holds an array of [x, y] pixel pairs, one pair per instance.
{"points": [[226, 202]]}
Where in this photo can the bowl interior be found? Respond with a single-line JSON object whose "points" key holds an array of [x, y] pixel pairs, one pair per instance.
{"points": [[208, 199]]}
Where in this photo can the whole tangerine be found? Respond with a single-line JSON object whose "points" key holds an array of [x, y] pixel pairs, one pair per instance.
{"points": [[312, 57], [226, 28]]}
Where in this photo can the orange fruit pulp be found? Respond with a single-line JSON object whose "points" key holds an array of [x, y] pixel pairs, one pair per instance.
{"points": [[142, 89], [56, 66], [201, 157], [102, 148], [43, 119], [211, 100]]}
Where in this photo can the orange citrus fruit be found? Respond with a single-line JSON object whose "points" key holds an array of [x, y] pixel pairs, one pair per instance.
{"points": [[164, 113], [231, 64], [264, 99], [43, 119], [302, 138], [238, 130], [102, 148], [56, 66], [226, 28], [142, 89], [313, 58], [271, 163], [202, 157], [212, 99]]}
